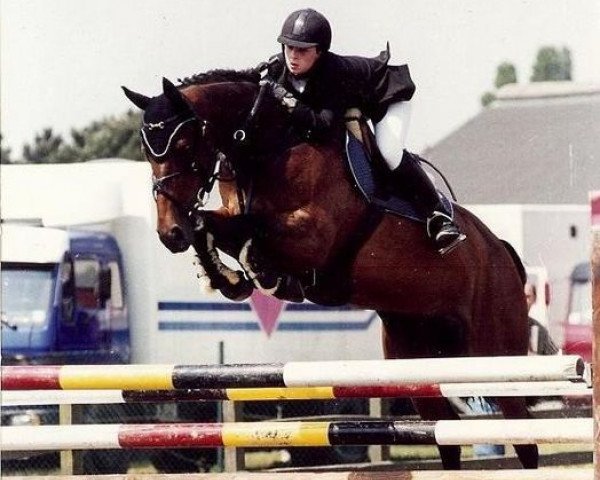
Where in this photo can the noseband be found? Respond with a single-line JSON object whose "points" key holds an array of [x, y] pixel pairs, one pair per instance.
{"points": [[159, 186]]}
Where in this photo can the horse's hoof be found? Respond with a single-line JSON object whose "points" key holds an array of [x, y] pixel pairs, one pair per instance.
{"points": [[267, 283], [239, 291]]}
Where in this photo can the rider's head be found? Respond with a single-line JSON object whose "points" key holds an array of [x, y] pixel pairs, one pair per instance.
{"points": [[305, 34]]}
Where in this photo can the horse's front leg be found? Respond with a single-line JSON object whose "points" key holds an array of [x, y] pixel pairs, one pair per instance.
{"points": [[239, 236], [284, 257], [213, 272]]}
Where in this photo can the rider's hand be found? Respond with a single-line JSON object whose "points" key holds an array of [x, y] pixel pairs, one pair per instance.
{"points": [[281, 94]]}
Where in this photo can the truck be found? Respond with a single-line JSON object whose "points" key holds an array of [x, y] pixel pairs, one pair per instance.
{"points": [[85, 280], [577, 325], [62, 297]]}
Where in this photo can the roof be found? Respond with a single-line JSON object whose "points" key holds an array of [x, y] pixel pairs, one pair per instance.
{"points": [[536, 144]]}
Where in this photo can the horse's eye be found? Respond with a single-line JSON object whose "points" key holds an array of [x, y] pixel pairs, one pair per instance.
{"points": [[183, 146]]}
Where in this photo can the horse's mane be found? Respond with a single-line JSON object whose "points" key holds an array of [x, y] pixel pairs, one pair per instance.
{"points": [[221, 75]]}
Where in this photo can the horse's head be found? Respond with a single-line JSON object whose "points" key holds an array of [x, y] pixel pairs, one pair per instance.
{"points": [[182, 138]]}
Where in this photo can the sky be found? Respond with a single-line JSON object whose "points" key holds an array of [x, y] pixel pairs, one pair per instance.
{"points": [[62, 61]]}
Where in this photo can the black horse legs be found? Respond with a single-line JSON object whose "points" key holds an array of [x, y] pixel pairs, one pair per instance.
{"points": [[239, 237], [516, 407], [232, 284]]}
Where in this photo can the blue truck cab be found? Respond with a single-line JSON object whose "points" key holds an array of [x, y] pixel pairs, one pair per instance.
{"points": [[63, 300]]}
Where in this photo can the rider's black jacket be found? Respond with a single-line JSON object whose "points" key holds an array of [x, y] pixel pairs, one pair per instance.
{"points": [[337, 83]]}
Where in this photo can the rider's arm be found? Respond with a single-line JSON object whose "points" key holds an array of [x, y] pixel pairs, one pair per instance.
{"points": [[311, 123]]}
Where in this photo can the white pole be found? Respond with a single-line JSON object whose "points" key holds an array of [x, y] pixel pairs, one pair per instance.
{"points": [[462, 432], [439, 370], [59, 437]]}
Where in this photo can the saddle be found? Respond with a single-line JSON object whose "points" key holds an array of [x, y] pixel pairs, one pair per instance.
{"points": [[371, 174]]}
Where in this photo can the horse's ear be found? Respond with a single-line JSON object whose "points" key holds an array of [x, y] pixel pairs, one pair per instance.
{"points": [[174, 95], [139, 100]]}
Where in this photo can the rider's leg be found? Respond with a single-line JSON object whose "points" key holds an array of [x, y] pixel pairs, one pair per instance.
{"points": [[410, 178]]}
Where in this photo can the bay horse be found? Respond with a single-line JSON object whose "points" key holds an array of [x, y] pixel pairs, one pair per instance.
{"points": [[297, 208]]}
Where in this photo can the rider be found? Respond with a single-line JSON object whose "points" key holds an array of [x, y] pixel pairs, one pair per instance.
{"points": [[318, 86]]}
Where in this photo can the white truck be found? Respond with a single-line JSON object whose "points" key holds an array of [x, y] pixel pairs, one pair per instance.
{"points": [[93, 224]]}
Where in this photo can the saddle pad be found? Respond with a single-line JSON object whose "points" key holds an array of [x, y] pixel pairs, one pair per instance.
{"points": [[364, 176]]}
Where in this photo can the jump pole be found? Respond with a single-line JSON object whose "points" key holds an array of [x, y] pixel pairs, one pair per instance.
{"points": [[355, 373], [492, 389], [295, 434]]}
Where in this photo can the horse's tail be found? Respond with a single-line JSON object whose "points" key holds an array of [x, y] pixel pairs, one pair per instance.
{"points": [[517, 261]]}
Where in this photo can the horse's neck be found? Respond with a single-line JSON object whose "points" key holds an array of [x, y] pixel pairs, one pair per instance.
{"points": [[229, 105]]}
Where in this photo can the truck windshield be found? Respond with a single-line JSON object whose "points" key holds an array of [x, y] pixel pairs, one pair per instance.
{"points": [[580, 310], [26, 294]]}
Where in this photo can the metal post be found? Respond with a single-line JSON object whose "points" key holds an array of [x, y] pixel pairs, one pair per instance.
{"points": [[379, 408], [71, 461], [234, 457], [230, 459], [66, 456]]}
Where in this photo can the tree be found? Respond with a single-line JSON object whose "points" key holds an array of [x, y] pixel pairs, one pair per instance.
{"points": [[487, 98], [47, 147], [116, 136], [4, 153], [505, 73], [110, 137], [552, 65]]}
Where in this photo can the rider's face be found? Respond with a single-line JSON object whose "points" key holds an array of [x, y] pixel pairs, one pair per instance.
{"points": [[300, 60]]}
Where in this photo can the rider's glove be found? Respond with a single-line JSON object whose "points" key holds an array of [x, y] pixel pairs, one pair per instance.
{"points": [[285, 97]]}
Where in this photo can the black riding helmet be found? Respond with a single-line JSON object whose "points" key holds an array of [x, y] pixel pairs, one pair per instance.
{"points": [[306, 28]]}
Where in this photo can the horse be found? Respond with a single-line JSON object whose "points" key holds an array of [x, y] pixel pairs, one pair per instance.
{"points": [[291, 203]]}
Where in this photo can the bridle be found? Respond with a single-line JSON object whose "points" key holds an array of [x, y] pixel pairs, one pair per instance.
{"points": [[159, 184], [240, 142]]}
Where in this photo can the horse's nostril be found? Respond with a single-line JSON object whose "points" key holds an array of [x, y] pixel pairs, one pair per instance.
{"points": [[176, 233]]}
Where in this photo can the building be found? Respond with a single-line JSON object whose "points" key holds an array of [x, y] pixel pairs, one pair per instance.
{"points": [[526, 165]]}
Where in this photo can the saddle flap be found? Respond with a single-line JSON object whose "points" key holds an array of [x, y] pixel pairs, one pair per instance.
{"points": [[371, 180]]}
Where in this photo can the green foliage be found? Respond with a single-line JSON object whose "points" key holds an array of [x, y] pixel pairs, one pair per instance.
{"points": [[47, 147], [112, 137], [487, 98], [505, 73], [552, 64], [4, 153], [116, 136]]}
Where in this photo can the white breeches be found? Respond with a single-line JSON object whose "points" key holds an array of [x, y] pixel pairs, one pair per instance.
{"points": [[391, 132]]}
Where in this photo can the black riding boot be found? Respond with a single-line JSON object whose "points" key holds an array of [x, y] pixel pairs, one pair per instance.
{"points": [[410, 179]]}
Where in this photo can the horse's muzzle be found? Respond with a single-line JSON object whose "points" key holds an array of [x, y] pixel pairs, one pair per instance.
{"points": [[175, 239]]}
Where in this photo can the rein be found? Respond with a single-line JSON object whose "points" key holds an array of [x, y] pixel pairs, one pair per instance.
{"points": [[203, 194]]}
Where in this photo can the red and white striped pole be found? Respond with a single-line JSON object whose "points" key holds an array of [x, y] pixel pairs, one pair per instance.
{"points": [[295, 434], [357, 373], [492, 389]]}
